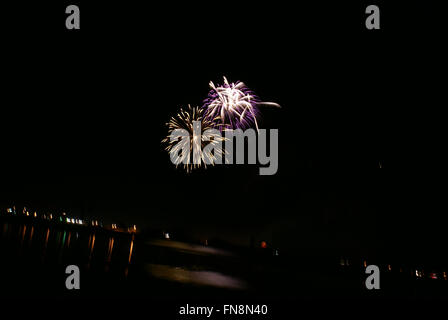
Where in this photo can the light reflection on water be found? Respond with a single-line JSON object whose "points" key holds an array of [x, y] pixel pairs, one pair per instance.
{"points": [[177, 270], [50, 244], [202, 278], [189, 248]]}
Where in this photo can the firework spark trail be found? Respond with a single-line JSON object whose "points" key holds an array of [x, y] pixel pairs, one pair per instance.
{"points": [[233, 105], [185, 120]]}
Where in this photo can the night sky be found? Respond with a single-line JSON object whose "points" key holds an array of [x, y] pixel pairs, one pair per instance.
{"points": [[83, 116]]}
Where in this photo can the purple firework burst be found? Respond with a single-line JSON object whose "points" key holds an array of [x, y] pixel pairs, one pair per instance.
{"points": [[232, 106]]}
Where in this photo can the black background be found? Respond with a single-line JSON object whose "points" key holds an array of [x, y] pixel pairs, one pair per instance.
{"points": [[84, 111]]}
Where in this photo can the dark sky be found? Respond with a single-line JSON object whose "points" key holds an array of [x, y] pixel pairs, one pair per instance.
{"points": [[83, 115]]}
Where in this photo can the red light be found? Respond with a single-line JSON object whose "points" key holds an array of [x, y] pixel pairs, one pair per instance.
{"points": [[264, 245]]}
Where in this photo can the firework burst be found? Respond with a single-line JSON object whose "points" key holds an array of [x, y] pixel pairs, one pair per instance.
{"points": [[233, 105], [193, 121]]}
